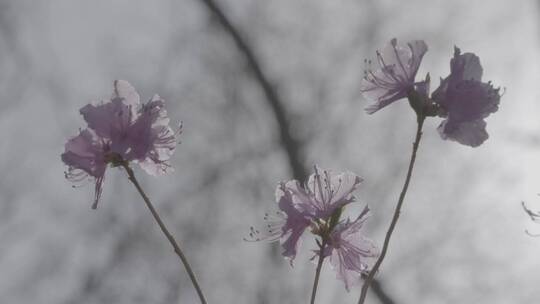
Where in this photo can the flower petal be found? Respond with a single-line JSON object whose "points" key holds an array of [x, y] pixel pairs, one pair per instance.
{"points": [[330, 191], [85, 152], [85, 156], [151, 139], [125, 91], [352, 253], [343, 185], [466, 66], [108, 119], [469, 133], [295, 224], [418, 49], [397, 57]]}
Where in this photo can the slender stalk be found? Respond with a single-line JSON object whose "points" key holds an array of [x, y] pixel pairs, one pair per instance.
{"points": [[169, 236], [393, 223], [318, 271]]}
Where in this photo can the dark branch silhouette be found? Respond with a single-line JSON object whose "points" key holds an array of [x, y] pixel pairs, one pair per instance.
{"points": [[290, 144]]}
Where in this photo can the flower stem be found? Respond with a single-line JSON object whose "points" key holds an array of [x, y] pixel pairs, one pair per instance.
{"points": [[393, 223], [169, 236], [318, 271]]}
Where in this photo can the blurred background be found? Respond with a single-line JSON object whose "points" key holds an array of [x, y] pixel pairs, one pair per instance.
{"points": [[265, 89]]}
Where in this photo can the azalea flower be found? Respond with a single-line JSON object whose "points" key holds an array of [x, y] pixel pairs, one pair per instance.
{"points": [[300, 207], [121, 130], [465, 101], [394, 78]]}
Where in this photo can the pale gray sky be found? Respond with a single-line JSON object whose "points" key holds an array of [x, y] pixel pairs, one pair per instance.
{"points": [[461, 236]]}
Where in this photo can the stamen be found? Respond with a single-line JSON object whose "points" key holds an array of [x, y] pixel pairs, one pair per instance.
{"points": [[399, 61], [329, 186], [272, 228], [386, 68], [98, 190], [318, 179]]}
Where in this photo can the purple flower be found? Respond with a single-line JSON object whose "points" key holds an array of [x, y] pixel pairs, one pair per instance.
{"points": [[395, 76], [303, 207], [349, 251], [121, 130], [465, 101]]}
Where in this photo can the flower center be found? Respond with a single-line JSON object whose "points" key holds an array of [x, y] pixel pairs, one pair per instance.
{"points": [[114, 159]]}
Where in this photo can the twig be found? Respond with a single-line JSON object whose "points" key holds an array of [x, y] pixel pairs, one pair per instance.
{"points": [[290, 144], [395, 218], [318, 271], [169, 236]]}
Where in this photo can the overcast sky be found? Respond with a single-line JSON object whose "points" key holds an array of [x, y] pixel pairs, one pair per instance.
{"points": [[461, 237]]}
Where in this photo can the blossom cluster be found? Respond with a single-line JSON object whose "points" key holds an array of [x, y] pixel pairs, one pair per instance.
{"points": [[122, 130], [318, 205], [462, 99]]}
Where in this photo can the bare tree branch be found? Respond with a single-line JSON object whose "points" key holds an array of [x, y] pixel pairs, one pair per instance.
{"points": [[289, 143], [381, 294]]}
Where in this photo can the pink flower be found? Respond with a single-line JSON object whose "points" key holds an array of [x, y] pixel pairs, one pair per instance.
{"points": [[121, 130], [307, 206], [395, 76]]}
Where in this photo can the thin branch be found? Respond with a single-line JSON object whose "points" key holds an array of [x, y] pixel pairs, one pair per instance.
{"points": [[381, 294], [165, 231], [318, 271], [395, 218], [290, 144]]}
